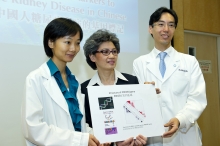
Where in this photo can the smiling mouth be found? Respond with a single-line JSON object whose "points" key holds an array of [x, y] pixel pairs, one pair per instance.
{"points": [[111, 62], [165, 36], [71, 54]]}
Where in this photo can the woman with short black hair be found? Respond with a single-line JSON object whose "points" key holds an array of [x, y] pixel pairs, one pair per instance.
{"points": [[52, 110]]}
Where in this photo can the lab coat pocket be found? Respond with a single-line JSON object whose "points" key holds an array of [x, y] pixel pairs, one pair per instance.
{"points": [[180, 84]]}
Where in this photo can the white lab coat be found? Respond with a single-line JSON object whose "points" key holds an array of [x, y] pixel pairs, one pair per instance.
{"points": [[45, 115], [182, 95]]}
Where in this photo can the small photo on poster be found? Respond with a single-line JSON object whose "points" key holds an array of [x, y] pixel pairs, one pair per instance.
{"points": [[105, 103]]}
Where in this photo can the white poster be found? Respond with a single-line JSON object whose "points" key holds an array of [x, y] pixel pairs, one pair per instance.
{"points": [[122, 111]]}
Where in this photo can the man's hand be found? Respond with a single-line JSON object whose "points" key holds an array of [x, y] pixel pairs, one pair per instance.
{"points": [[173, 125], [93, 141], [128, 142], [140, 140], [153, 83]]}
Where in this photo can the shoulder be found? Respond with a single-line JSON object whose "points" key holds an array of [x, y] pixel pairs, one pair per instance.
{"points": [[128, 76], [131, 79], [39, 73], [188, 61], [187, 57], [84, 85], [34, 74], [141, 60], [182, 55]]}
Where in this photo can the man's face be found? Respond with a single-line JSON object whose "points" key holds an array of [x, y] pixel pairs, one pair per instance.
{"points": [[163, 31]]}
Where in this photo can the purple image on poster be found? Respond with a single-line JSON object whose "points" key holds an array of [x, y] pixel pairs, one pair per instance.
{"points": [[112, 130]]}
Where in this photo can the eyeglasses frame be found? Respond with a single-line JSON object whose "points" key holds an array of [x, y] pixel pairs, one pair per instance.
{"points": [[164, 23], [108, 53]]}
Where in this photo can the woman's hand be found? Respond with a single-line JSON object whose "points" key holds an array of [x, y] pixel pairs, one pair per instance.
{"points": [[127, 142], [93, 141], [140, 140], [153, 83]]}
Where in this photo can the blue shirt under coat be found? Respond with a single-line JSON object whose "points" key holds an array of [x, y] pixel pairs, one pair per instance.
{"points": [[70, 95]]}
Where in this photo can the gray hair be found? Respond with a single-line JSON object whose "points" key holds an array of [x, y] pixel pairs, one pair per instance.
{"points": [[95, 40]]}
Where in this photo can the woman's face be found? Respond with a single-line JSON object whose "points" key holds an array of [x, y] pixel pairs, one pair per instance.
{"points": [[105, 62], [65, 49]]}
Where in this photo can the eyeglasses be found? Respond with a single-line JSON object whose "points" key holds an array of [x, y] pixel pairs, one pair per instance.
{"points": [[163, 24], [106, 52]]}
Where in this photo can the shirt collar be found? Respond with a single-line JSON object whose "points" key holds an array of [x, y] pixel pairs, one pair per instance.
{"points": [[68, 72], [169, 51], [53, 68], [96, 80]]}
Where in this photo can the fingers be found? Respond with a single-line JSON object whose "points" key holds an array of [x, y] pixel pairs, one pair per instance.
{"points": [[172, 122], [171, 131], [137, 142], [127, 142], [132, 142], [140, 140], [119, 143], [166, 135], [96, 141], [93, 141], [158, 90], [153, 83], [173, 125]]}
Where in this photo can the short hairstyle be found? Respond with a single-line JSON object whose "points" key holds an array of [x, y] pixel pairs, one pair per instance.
{"points": [[95, 40], [157, 15], [57, 28]]}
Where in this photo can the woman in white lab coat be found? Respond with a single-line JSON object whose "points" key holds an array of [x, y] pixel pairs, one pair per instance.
{"points": [[52, 109]]}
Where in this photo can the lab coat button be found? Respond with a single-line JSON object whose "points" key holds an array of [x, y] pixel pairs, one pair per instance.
{"points": [[163, 104], [191, 120]]}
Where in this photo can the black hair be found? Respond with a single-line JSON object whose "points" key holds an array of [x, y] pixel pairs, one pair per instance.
{"points": [[157, 15], [58, 28]]}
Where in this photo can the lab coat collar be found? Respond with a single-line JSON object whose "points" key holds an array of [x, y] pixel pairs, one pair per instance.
{"points": [[154, 68], [52, 88]]}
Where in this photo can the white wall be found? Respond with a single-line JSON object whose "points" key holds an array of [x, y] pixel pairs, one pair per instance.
{"points": [[17, 61]]}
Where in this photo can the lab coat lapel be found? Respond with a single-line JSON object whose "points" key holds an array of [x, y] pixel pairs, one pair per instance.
{"points": [[55, 93], [152, 66], [53, 89], [172, 67]]}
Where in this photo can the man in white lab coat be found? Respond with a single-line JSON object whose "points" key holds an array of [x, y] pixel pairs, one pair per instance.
{"points": [[182, 98]]}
